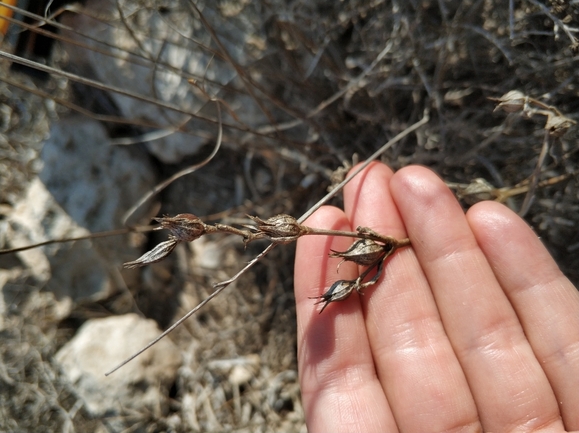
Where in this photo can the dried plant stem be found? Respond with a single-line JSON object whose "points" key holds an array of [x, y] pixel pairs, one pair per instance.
{"points": [[101, 86], [161, 186], [225, 53], [557, 22], [81, 238], [371, 158], [219, 287], [362, 233], [535, 176]]}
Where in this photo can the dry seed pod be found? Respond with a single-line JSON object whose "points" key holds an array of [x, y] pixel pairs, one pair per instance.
{"points": [[558, 125], [338, 291], [512, 101], [362, 252], [280, 228], [184, 227], [155, 255]]}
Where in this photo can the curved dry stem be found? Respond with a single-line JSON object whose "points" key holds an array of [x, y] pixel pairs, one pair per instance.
{"points": [[161, 186]]}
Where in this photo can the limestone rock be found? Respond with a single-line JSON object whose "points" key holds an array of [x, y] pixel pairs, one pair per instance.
{"points": [[72, 270], [85, 186], [142, 384], [94, 182], [169, 54]]}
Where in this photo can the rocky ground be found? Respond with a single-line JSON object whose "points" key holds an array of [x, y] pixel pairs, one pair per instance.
{"points": [[140, 92]]}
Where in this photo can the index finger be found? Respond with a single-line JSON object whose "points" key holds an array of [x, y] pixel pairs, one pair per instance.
{"points": [[414, 359], [340, 390]]}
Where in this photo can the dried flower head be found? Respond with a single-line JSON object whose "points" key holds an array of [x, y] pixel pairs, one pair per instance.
{"points": [[155, 255], [338, 291], [362, 252], [184, 227], [280, 228]]}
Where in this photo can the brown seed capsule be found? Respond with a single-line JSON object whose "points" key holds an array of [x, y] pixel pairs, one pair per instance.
{"points": [[362, 252], [338, 291], [155, 255], [184, 227], [280, 228]]}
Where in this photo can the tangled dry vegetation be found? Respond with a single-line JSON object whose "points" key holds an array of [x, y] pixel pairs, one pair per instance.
{"points": [[304, 87]]}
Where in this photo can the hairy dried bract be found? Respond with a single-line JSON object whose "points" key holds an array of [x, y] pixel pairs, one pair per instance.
{"points": [[338, 291], [155, 255], [184, 227], [280, 228], [362, 252]]}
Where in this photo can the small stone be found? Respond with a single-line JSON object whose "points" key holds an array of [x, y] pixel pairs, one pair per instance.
{"points": [[141, 385]]}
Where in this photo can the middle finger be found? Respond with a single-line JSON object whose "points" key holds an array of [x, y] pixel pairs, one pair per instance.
{"points": [[415, 362]]}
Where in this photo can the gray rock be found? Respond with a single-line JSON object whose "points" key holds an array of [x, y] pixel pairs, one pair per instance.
{"points": [[70, 270], [85, 186], [94, 182], [142, 384], [158, 64]]}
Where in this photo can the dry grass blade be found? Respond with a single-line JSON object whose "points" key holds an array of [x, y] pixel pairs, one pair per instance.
{"points": [[105, 234], [98, 85]]}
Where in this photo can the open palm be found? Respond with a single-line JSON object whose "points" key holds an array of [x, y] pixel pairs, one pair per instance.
{"points": [[473, 328]]}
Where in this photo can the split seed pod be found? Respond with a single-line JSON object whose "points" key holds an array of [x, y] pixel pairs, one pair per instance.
{"points": [[184, 227], [512, 101], [362, 252], [338, 291], [280, 228]]}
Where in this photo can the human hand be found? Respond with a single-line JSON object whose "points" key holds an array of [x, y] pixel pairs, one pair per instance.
{"points": [[473, 328]]}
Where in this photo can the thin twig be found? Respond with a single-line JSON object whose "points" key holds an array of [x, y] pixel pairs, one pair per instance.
{"points": [[556, 21], [80, 238], [373, 157], [535, 176], [327, 102], [359, 234], [218, 289], [161, 186], [101, 86], [491, 38]]}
